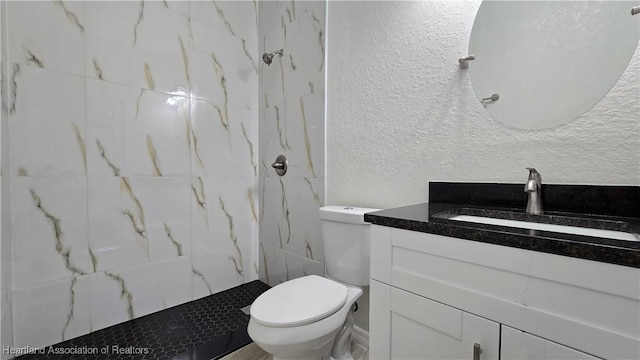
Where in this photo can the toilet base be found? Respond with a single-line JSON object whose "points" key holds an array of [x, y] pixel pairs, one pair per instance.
{"points": [[341, 349], [313, 350], [334, 346]]}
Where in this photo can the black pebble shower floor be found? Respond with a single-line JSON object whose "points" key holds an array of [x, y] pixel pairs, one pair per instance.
{"points": [[203, 329]]}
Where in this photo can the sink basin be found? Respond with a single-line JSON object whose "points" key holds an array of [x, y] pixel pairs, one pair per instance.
{"points": [[610, 234]]}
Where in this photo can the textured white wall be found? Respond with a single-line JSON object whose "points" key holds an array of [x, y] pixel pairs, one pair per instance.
{"points": [[400, 113]]}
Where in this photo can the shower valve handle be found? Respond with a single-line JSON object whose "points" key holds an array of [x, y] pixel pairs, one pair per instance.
{"points": [[280, 165]]}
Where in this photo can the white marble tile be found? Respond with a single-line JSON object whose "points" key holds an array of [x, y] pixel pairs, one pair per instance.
{"points": [[47, 124], [305, 135], [122, 294], [273, 16], [6, 309], [291, 220], [273, 266], [52, 312], [208, 72], [142, 44], [6, 274], [304, 8], [92, 131], [225, 221], [237, 18], [165, 282], [297, 131], [212, 272], [117, 223], [110, 300], [49, 236], [6, 245], [249, 247], [261, 193], [5, 297], [179, 6], [47, 35], [243, 90], [305, 197], [272, 38], [4, 287], [223, 145], [272, 85], [167, 211], [299, 29], [304, 60], [6, 325], [275, 226], [5, 170], [299, 266], [137, 220], [136, 132], [273, 139], [224, 68]]}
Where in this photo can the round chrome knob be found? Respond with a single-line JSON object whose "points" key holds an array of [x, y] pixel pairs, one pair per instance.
{"points": [[280, 165]]}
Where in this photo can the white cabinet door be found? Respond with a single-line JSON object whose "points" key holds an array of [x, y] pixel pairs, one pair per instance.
{"points": [[518, 345], [419, 328]]}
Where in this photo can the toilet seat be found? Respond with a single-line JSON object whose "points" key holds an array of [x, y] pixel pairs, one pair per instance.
{"points": [[298, 302]]}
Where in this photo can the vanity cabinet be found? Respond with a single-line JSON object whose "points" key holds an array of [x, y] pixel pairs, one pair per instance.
{"points": [[420, 328], [518, 345], [434, 296]]}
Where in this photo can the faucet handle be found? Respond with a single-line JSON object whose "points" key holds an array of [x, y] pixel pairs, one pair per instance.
{"points": [[534, 174]]}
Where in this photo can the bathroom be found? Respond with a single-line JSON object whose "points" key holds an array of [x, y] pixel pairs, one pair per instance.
{"points": [[137, 140]]}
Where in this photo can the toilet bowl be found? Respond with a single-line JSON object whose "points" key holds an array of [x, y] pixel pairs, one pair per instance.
{"points": [[311, 317], [299, 319]]}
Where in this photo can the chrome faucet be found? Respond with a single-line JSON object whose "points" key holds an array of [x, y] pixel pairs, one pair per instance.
{"points": [[533, 187]]}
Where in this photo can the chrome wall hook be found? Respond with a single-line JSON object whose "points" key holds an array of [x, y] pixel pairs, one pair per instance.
{"points": [[464, 62], [635, 10]]}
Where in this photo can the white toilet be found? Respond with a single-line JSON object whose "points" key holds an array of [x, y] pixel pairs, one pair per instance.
{"points": [[310, 317]]}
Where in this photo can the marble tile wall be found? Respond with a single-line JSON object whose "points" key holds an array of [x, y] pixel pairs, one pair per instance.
{"points": [[6, 283], [291, 122], [131, 152]]}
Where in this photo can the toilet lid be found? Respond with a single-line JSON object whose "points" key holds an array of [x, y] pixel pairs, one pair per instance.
{"points": [[300, 301]]}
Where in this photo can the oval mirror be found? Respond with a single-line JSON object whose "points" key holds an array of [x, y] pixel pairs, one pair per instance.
{"points": [[549, 61]]}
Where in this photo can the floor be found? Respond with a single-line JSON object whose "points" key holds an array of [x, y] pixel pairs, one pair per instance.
{"points": [[214, 327], [253, 352], [204, 329]]}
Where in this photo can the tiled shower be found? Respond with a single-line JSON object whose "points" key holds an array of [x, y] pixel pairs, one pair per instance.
{"points": [[137, 139], [292, 108]]}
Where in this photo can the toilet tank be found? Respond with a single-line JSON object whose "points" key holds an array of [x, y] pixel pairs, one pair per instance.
{"points": [[345, 236]]}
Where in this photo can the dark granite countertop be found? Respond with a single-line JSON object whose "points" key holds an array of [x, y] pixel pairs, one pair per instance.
{"points": [[433, 218]]}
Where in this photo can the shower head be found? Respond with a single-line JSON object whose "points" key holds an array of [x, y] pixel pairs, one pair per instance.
{"points": [[268, 57]]}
